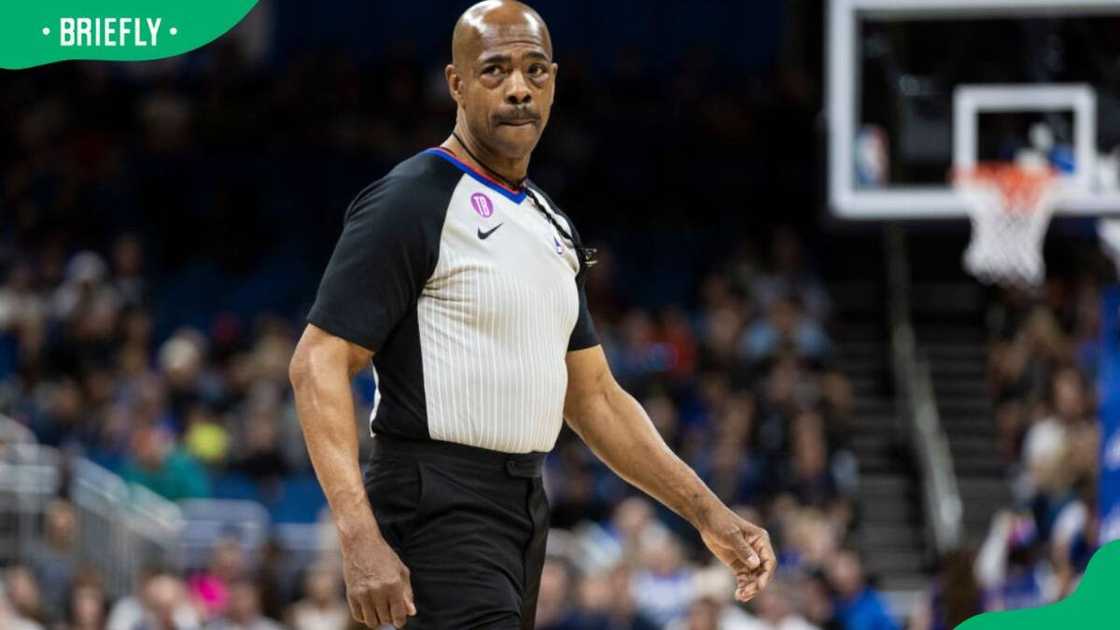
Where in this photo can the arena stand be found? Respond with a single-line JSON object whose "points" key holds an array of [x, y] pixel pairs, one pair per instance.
{"points": [[203, 445]]}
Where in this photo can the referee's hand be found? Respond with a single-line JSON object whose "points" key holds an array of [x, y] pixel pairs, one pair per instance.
{"points": [[378, 588], [742, 546]]}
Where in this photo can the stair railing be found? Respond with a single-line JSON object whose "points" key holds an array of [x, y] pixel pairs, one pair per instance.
{"points": [[918, 406]]}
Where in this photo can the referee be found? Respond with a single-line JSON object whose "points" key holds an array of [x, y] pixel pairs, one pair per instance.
{"points": [[462, 283]]}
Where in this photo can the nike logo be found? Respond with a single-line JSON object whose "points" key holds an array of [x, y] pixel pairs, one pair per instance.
{"points": [[485, 235]]}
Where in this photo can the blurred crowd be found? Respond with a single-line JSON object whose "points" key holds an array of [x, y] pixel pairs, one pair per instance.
{"points": [[1043, 355], [1043, 366], [232, 592], [165, 225], [741, 386]]}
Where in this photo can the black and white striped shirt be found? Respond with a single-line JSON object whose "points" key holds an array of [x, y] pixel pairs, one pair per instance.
{"points": [[467, 293]]}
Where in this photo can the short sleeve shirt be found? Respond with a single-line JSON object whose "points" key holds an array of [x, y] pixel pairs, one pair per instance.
{"points": [[469, 297]]}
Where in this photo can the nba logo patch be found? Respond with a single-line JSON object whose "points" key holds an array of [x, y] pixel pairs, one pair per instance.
{"points": [[482, 205], [559, 247]]}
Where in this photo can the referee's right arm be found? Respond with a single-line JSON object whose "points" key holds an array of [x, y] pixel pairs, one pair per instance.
{"points": [[322, 368], [373, 278]]}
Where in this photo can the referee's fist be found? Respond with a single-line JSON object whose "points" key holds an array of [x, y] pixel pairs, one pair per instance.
{"points": [[742, 546], [377, 583]]}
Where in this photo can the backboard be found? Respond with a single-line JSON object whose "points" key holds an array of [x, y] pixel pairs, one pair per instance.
{"points": [[917, 88]]}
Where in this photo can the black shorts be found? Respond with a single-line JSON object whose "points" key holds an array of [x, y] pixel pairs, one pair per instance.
{"points": [[469, 523]]}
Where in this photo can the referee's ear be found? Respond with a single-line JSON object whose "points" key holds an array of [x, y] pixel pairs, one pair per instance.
{"points": [[454, 83], [555, 71]]}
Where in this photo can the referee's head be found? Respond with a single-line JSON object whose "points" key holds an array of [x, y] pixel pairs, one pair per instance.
{"points": [[502, 76]]}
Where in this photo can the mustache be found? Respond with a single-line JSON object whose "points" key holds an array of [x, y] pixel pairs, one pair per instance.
{"points": [[518, 116]]}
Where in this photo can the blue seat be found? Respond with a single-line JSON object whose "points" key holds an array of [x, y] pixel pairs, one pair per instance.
{"points": [[300, 501], [236, 486]]}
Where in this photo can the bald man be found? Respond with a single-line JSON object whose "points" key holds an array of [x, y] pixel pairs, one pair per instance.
{"points": [[461, 282]]}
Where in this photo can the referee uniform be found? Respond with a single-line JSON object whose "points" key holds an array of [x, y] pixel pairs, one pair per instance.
{"points": [[470, 295]]}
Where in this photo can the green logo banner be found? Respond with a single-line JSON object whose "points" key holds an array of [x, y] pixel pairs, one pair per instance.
{"points": [[37, 32], [1093, 605]]}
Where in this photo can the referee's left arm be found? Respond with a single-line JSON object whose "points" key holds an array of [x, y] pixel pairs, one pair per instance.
{"points": [[620, 433]]}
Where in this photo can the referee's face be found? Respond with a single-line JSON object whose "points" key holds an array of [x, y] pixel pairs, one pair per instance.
{"points": [[504, 84]]}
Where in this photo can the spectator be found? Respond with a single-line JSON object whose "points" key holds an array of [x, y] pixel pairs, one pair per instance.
{"points": [[608, 594], [703, 614], [789, 275], [712, 586], [210, 589], [22, 310], [10, 619], [818, 604], [677, 333], [54, 558], [810, 538], [322, 606], [1075, 536], [60, 421], [23, 595], [785, 329], [1010, 569], [631, 523], [811, 479], [722, 331], [858, 606], [159, 465], [1049, 477], [663, 582], [260, 457], [1020, 369], [273, 577], [639, 355], [731, 467], [86, 605], [181, 361], [839, 408], [128, 270], [554, 602], [206, 438], [953, 597], [160, 601], [786, 391], [578, 499], [1069, 396], [662, 412], [777, 608], [244, 611], [166, 604], [86, 281], [20, 303]]}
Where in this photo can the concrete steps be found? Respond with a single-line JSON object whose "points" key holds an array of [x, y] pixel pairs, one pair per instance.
{"points": [[891, 536], [958, 357]]}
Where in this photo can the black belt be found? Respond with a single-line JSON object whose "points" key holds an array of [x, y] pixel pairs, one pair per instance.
{"points": [[525, 465]]}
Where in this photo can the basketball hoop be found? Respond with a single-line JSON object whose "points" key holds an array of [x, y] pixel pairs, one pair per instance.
{"points": [[1010, 205]]}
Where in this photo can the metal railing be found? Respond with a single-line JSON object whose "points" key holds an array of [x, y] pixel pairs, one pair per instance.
{"points": [[914, 387], [122, 528], [29, 481], [12, 432]]}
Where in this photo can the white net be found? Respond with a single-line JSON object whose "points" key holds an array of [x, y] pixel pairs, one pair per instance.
{"points": [[1010, 206]]}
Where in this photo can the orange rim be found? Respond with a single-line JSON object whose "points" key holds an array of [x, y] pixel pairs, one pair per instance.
{"points": [[1020, 189]]}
